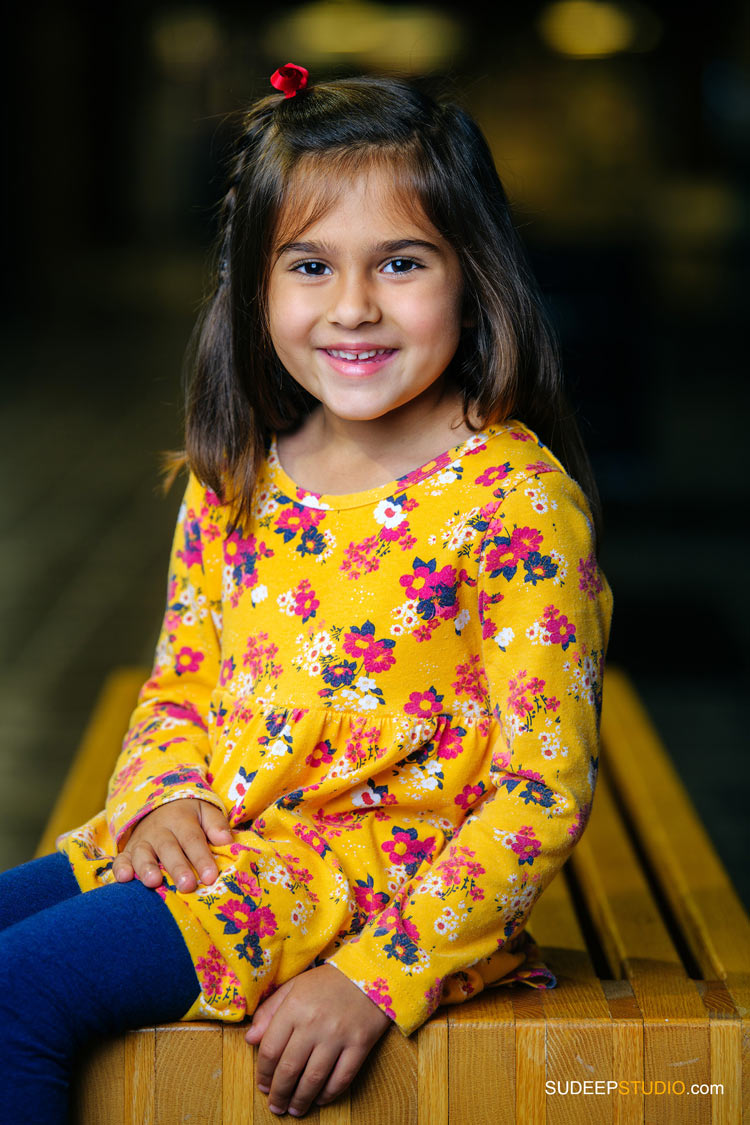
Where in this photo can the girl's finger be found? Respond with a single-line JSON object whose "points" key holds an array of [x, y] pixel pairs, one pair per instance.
{"points": [[122, 868], [168, 853], [265, 1012], [192, 841], [214, 823], [343, 1074], [268, 1076], [289, 1068], [145, 864], [320, 1065]]}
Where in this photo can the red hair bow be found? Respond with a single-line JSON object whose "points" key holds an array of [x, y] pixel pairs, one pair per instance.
{"points": [[290, 78]]}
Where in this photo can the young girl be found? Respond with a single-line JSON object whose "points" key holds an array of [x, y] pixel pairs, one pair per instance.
{"points": [[370, 738]]}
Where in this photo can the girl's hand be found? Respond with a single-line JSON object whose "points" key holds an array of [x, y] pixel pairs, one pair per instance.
{"points": [[175, 835], [314, 1033]]}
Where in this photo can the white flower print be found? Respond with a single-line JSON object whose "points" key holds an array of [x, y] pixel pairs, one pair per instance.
{"points": [[389, 513]]}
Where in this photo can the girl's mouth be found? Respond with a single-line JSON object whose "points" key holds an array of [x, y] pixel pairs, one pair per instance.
{"points": [[356, 362]]}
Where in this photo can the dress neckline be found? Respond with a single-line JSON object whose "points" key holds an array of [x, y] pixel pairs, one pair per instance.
{"points": [[338, 502]]}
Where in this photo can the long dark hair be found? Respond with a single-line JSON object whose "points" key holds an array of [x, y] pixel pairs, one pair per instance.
{"points": [[507, 363]]}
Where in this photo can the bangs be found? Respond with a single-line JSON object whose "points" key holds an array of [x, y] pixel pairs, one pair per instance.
{"points": [[318, 180]]}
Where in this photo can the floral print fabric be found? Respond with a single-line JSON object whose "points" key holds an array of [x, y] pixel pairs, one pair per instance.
{"points": [[394, 695]]}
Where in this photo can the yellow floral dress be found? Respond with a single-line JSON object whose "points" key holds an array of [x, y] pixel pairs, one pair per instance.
{"points": [[394, 695]]}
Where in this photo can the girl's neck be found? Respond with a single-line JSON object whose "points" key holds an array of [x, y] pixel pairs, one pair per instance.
{"points": [[331, 456]]}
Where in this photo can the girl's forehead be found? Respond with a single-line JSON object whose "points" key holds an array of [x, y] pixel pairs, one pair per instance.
{"points": [[316, 192]]}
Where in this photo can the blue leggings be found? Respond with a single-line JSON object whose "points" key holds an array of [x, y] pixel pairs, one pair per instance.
{"points": [[75, 967]]}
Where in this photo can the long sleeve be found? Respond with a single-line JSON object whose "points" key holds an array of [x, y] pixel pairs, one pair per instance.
{"points": [[543, 609], [165, 754]]}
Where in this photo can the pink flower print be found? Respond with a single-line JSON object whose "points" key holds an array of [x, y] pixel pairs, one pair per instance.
{"points": [[192, 553], [188, 660], [520, 435], [559, 630], [472, 679], [539, 467], [311, 837], [393, 534], [262, 922], [368, 899], [424, 631], [419, 585], [210, 972], [494, 474], [236, 549], [320, 755], [450, 744], [424, 703], [425, 471], [301, 517], [257, 653], [466, 797], [305, 601], [379, 994], [128, 771], [249, 884], [172, 620], [406, 848], [589, 582], [525, 540], [580, 821], [359, 557], [227, 671], [489, 628], [391, 919], [242, 914], [184, 712], [361, 643], [526, 845]]}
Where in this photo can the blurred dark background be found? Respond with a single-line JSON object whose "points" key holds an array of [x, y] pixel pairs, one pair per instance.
{"points": [[622, 133]]}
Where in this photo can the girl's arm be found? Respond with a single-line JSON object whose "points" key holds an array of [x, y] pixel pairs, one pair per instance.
{"points": [[544, 608], [165, 754]]}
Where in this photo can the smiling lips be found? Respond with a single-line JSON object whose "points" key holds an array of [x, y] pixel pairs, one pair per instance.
{"points": [[359, 361]]}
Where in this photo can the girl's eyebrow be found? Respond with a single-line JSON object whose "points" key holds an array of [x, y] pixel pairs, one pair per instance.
{"points": [[393, 247]]}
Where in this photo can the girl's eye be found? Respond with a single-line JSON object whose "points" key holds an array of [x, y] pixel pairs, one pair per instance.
{"points": [[311, 269], [403, 265]]}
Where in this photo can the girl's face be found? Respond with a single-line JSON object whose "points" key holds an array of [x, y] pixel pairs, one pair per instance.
{"points": [[364, 305]]}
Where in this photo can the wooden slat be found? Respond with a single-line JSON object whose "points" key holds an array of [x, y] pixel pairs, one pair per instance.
{"points": [[238, 1075], [139, 1077], [571, 1021], [482, 1059], [386, 1090], [85, 789], [433, 1095], [188, 1066], [691, 876], [97, 1093], [626, 916]]}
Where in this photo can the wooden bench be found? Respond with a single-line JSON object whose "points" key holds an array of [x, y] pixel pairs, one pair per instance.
{"points": [[643, 929]]}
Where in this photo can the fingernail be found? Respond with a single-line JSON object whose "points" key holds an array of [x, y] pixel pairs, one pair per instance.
{"points": [[275, 1109], [294, 1112], [263, 1089]]}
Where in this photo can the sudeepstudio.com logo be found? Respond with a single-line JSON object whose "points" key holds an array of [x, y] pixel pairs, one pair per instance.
{"points": [[656, 1088]]}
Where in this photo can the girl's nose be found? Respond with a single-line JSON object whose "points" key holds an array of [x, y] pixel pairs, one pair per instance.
{"points": [[353, 302]]}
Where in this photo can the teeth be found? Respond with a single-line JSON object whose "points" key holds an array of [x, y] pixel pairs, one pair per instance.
{"points": [[357, 355]]}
